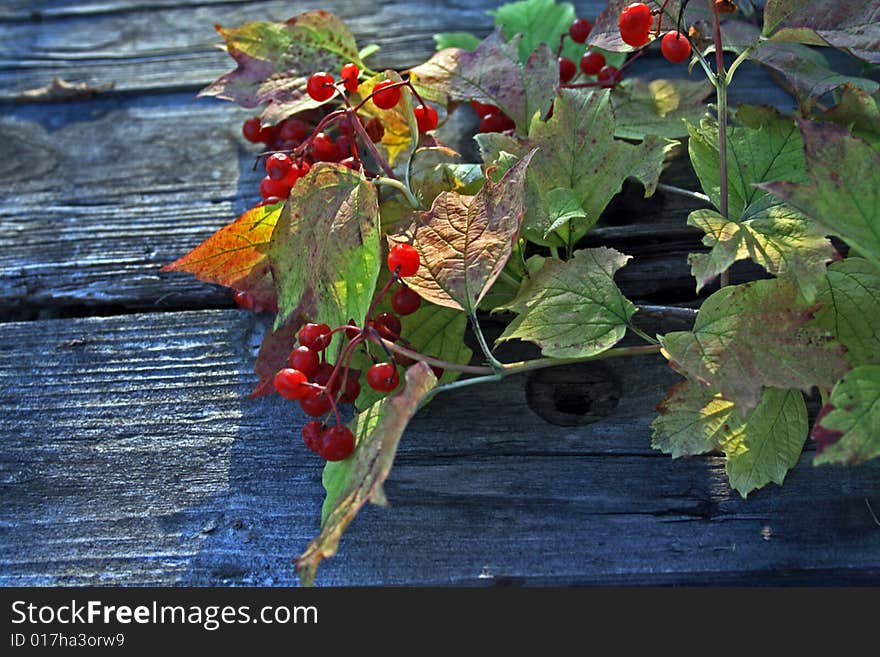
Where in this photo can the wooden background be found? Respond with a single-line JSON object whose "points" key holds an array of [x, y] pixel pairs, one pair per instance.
{"points": [[131, 454]]}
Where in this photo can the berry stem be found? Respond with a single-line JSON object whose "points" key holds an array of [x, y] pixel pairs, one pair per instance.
{"points": [[399, 186], [721, 109], [430, 360], [370, 146], [496, 365]]}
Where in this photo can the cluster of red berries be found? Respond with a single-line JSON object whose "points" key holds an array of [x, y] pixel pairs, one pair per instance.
{"points": [[635, 24], [319, 385], [592, 62]]}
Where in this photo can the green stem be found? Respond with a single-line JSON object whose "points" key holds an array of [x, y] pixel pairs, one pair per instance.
{"points": [[399, 186], [721, 83], [481, 339], [510, 278], [644, 336], [554, 252]]}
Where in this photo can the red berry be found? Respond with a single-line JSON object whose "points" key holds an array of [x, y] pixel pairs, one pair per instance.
{"points": [[337, 443], [426, 117], [383, 377], [635, 24], [675, 47], [484, 109], [251, 130], [243, 299], [324, 148], [311, 433], [567, 69], [352, 332], [344, 147], [315, 336], [592, 62], [289, 383], [438, 371], [386, 96], [496, 123], [579, 30], [352, 387], [277, 165], [349, 75], [608, 76], [305, 360], [405, 257], [405, 301], [272, 200], [269, 188], [320, 86], [315, 403], [403, 361], [293, 130], [388, 326], [295, 172], [322, 377]]}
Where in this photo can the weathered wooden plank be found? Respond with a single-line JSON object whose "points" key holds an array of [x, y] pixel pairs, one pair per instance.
{"points": [[131, 456], [172, 46]]}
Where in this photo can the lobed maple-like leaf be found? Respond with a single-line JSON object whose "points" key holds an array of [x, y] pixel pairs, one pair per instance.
{"points": [[853, 25], [352, 483], [760, 447], [754, 335], [465, 241], [579, 164], [764, 146], [325, 250], [858, 112], [778, 238], [658, 107], [436, 169], [573, 309], [275, 61], [804, 70], [492, 74], [849, 307], [843, 191], [855, 403], [237, 255], [693, 420]]}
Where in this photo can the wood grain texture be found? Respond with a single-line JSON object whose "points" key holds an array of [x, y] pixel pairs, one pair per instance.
{"points": [[132, 456]]}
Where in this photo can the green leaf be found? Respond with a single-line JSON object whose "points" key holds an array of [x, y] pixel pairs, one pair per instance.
{"points": [[658, 107], [358, 480], [465, 241], [804, 70], [325, 249], [693, 420], [433, 331], [773, 151], [755, 335], [436, 169], [853, 25], [856, 413], [576, 151], [778, 238], [463, 40], [573, 309], [850, 308], [858, 112], [760, 447], [538, 21], [843, 192], [492, 74], [770, 443], [275, 61]]}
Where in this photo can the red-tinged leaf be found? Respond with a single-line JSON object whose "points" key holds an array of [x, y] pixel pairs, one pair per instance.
{"points": [[274, 353], [843, 192], [275, 61], [752, 336], [236, 255], [822, 436], [352, 483], [492, 74], [855, 411], [325, 249], [465, 241], [853, 25]]}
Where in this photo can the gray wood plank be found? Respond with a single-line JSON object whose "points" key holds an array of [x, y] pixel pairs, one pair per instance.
{"points": [[131, 456]]}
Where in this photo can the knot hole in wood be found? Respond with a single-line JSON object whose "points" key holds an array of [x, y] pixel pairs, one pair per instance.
{"points": [[573, 395]]}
